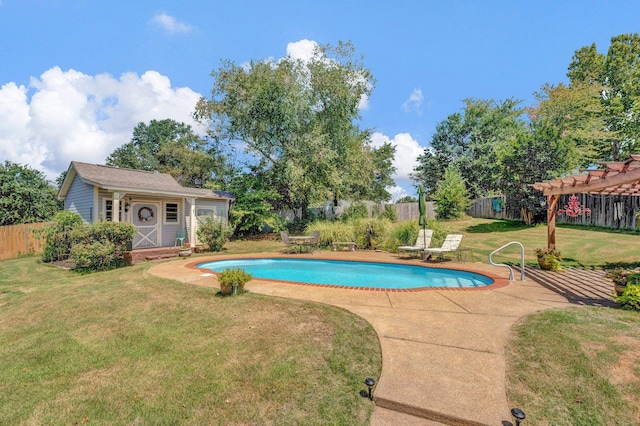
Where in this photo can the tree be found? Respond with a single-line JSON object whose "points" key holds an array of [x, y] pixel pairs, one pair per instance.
{"points": [[618, 72], [295, 119], [407, 199], [170, 147], [253, 207], [468, 140], [25, 195], [577, 114], [538, 153], [451, 196]]}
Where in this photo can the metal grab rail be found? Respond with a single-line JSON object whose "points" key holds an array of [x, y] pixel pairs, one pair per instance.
{"points": [[522, 278]]}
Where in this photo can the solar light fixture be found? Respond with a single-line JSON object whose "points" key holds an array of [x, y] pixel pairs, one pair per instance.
{"points": [[518, 415], [370, 384]]}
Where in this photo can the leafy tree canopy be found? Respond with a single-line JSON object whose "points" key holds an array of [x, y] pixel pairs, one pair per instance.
{"points": [[25, 195], [170, 147], [468, 141], [451, 196], [296, 121], [618, 73]]}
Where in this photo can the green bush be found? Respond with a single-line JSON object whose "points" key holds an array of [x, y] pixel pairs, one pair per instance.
{"points": [[402, 234], [233, 276], [451, 196], [331, 231], [214, 232], [371, 233], [120, 234], [102, 245], [95, 256], [630, 298], [58, 236], [357, 210]]}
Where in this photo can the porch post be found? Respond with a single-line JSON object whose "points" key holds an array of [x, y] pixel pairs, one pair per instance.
{"points": [[115, 212], [552, 202], [192, 221]]}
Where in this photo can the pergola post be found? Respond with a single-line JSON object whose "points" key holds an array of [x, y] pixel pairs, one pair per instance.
{"points": [[552, 203]]}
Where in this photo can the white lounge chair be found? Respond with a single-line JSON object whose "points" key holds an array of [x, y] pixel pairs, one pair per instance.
{"points": [[451, 244], [422, 242]]}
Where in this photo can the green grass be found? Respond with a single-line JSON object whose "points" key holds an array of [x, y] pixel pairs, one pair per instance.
{"points": [[578, 366], [583, 247], [125, 347]]}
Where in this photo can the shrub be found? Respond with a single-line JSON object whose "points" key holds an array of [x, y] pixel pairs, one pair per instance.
{"points": [[451, 196], [389, 213], [214, 232], [102, 245], [371, 233], [95, 256], [624, 277], [331, 231], [58, 241], [630, 298], [233, 276], [357, 210]]}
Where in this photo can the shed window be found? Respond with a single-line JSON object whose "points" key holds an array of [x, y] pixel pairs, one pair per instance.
{"points": [[171, 212], [108, 210]]}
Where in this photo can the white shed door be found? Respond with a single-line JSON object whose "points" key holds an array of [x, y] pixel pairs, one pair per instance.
{"points": [[145, 219]]}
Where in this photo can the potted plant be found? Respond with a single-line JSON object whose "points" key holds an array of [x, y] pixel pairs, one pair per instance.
{"points": [[233, 279], [549, 259], [621, 278], [185, 251]]}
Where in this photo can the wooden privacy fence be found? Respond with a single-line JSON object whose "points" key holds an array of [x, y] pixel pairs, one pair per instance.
{"points": [[607, 211], [20, 239]]}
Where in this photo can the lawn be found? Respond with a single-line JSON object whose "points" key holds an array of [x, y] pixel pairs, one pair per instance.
{"points": [[580, 246], [578, 366], [125, 347]]}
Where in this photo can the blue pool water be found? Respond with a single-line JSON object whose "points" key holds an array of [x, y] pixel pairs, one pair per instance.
{"points": [[352, 274]]}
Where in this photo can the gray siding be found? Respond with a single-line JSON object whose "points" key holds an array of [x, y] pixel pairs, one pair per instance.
{"points": [[170, 230], [79, 199], [204, 208]]}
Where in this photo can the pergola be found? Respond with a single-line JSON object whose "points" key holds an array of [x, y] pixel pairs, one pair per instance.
{"points": [[617, 178]]}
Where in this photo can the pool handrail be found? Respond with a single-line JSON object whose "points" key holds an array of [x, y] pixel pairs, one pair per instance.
{"points": [[511, 278]]}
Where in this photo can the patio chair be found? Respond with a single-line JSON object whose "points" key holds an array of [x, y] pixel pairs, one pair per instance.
{"points": [[287, 243], [313, 241], [451, 244], [180, 238], [422, 243]]}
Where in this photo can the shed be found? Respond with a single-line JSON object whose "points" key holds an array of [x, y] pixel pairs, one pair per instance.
{"points": [[155, 203]]}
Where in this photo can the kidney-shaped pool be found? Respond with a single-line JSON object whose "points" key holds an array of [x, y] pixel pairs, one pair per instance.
{"points": [[352, 274]]}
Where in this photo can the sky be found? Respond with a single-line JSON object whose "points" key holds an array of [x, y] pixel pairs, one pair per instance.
{"points": [[76, 76]]}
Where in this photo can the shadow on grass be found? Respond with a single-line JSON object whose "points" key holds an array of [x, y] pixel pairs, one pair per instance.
{"points": [[620, 265], [597, 229], [497, 226]]}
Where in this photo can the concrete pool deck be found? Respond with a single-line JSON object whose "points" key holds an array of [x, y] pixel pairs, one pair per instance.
{"points": [[443, 359]]}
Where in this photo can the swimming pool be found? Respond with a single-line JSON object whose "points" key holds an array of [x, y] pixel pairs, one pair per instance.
{"points": [[352, 274]]}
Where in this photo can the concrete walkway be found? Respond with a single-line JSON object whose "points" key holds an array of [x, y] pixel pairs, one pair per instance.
{"points": [[442, 350]]}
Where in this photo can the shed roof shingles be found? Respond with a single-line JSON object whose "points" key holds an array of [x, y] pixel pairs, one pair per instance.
{"points": [[127, 179]]}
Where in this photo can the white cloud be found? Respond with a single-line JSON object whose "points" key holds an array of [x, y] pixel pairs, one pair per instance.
{"points": [[302, 49], [396, 192], [170, 24], [407, 152], [405, 160], [414, 102], [75, 116]]}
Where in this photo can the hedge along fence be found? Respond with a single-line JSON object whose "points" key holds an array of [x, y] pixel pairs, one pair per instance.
{"points": [[16, 240]]}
